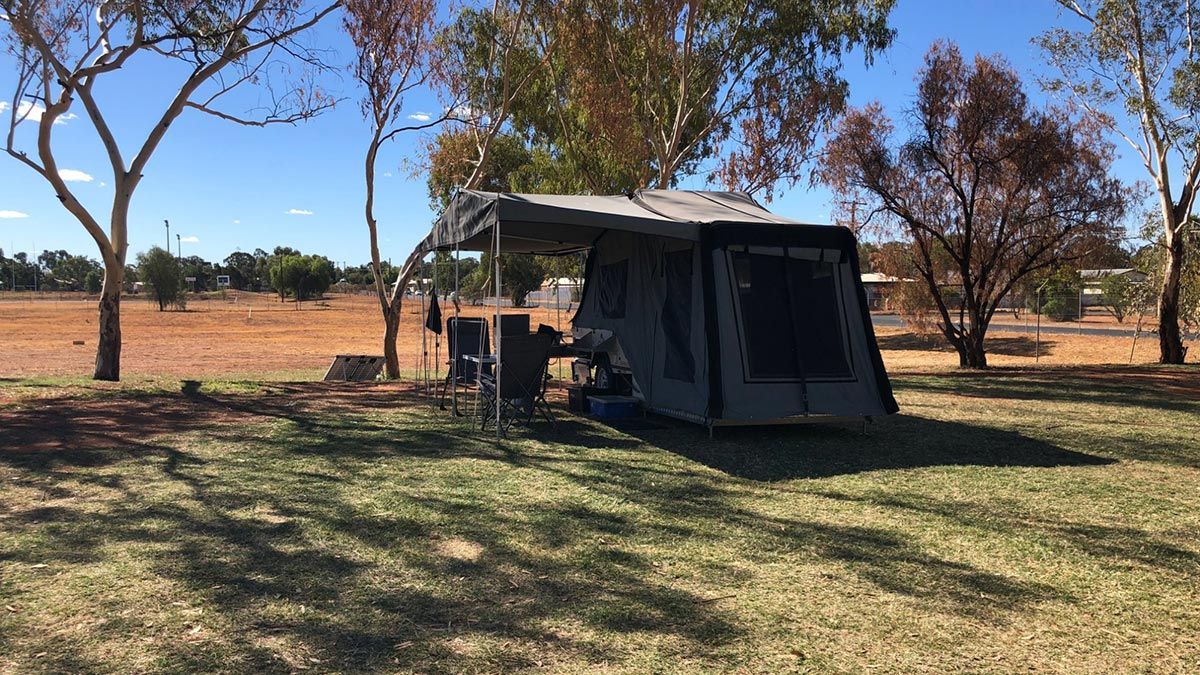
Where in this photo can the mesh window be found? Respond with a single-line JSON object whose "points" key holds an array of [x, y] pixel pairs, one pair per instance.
{"points": [[679, 364], [790, 320], [614, 279]]}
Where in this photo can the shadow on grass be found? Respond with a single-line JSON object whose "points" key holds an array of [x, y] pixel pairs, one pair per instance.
{"points": [[1002, 345], [344, 523], [1153, 389], [824, 450], [1116, 542]]}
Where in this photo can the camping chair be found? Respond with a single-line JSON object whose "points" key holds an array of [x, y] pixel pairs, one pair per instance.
{"points": [[556, 342], [466, 337], [522, 372], [513, 324]]}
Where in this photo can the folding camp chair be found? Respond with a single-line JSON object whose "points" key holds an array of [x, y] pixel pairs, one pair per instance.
{"points": [[513, 324], [467, 337], [522, 373]]}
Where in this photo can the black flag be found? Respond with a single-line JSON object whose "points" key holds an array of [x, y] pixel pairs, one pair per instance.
{"points": [[433, 320]]}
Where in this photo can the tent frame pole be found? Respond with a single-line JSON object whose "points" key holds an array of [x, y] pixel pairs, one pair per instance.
{"points": [[425, 338], [499, 340], [453, 374], [422, 370], [437, 338]]}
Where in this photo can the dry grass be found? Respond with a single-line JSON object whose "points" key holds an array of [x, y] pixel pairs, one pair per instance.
{"points": [[1027, 518], [1016, 520]]}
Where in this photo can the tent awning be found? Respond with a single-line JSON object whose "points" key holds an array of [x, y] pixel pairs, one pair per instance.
{"points": [[557, 224], [560, 224]]}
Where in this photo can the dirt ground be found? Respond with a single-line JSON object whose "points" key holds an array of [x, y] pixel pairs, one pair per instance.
{"points": [[248, 334], [243, 334], [904, 351]]}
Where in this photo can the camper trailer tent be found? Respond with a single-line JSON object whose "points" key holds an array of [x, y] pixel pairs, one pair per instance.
{"points": [[725, 312]]}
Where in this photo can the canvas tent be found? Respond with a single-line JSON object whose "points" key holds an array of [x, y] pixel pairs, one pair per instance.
{"points": [[726, 312]]}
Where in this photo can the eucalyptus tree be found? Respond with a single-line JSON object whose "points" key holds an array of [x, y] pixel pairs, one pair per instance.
{"points": [[61, 49], [624, 94], [392, 40], [986, 190], [737, 89], [1134, 66]]}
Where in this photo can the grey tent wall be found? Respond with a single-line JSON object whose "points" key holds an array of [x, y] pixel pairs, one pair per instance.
{"points": [[747, 399], [720, 389], [874, 391], [639, 326]]}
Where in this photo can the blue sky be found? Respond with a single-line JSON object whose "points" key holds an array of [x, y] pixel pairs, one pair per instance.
{"points": [[225, 187]]}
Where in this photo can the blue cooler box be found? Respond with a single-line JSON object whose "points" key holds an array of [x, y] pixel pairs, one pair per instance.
{"points": [[612, 407]]}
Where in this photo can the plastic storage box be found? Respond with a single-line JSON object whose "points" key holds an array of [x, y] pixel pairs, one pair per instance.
{"points": [[613, 407]]}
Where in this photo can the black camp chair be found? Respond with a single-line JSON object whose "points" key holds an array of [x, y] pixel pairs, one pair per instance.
{"points": [[522, 371], [513, 324], [556, 344], [467, 337]]}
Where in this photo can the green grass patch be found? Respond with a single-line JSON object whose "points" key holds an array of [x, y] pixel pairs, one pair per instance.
{"points": [[1015, 520]]}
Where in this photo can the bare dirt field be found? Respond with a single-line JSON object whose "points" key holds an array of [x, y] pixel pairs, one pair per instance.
{"points": [[254, 335], [245, 334]]}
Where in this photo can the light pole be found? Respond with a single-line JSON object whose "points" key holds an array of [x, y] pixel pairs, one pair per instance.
{"points": [[178, 247], [168, 224]]}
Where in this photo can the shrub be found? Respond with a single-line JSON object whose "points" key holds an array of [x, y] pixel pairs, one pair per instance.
{"points": [[160, 271]]}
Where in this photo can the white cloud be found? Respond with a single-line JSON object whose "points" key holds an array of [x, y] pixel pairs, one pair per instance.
{"points": [[74, 176], [33, 112], [298, 212], [103, 184], [387, 174], [13, 214], [420, 117], [192, 239], [237, 222]]}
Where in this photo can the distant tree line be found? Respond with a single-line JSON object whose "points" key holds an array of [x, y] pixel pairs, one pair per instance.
{"points": [[50, 271], [285, 271]]}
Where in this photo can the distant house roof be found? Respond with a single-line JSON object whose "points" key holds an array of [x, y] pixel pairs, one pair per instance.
{"points": [[880, 278], [1109, 272]]}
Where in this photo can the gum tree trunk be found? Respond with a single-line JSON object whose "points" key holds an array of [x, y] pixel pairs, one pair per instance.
{"points": [[1170, 342], [970, 345], [974, 353], [108, 348], [390, 357]]}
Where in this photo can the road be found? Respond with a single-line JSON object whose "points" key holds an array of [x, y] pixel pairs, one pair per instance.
{"points": [[894, 321]]}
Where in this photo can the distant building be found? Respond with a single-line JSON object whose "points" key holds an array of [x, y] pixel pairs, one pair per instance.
{"points": [[557, 292], [1093, 280], [877, 285]]}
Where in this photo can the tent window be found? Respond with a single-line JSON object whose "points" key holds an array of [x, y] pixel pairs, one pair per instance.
{"points": [[791, 323], [614, 280], [679, 363]]}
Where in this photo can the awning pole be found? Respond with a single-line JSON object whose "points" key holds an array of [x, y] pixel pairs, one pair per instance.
{"points": [[424, 337], [558, 321], [454, 374], [437, 338], [499, 341]]}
